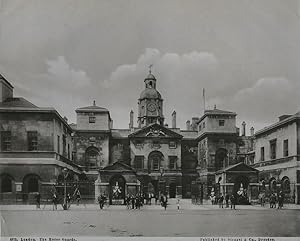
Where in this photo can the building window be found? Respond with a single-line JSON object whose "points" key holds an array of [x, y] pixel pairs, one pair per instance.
{"points": [[6, 140], [120, 146], [139, 162], [262, 154], [33, 184], [92, 119], [173, 162], [68, 151], [172, 145], [221, 122], [203, 125], [285, 185], [58, 144], [273, 149], [32, 140], [286, 147], [155, 164], [92, 154], [64, 139], [6, 184]]}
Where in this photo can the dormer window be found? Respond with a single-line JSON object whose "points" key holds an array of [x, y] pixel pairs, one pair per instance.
{"points": [[221, 122], [150, 84]]}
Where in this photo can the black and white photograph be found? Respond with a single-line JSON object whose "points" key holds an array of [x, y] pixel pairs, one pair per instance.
{"points": [[149, 120]]}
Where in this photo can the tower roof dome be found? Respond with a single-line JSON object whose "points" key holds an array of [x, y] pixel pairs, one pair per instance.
{"points": [[150, 77], [150, 94]]}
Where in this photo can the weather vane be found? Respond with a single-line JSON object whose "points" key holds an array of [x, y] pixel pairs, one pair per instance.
{"points": [[150, 66]]}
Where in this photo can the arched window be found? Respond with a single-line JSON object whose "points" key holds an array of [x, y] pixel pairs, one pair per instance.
{"points": [[221, 160], [155, 159], [33, 184], [6, 184], [273, 185], [285, 185], [92, 156]]}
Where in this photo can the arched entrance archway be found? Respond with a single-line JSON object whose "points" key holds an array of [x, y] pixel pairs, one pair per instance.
{"points": [[220, 158], [117, 185]]}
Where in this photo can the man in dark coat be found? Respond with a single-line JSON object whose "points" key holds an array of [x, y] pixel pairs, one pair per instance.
{"points": [[227, 200], [232, 201]]}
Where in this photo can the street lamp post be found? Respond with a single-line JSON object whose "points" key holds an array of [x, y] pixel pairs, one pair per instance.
{"points": [[161, 170], [65, 172]]}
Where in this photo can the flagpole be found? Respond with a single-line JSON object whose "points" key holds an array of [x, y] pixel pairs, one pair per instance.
{"points": [[203, 100]]}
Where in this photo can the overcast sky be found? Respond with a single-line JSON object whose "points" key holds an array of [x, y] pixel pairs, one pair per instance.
{"points": [[66, 53]]}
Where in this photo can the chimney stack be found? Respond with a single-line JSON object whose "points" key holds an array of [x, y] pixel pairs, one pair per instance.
{"points": [[194, 123], [244, 128], [174, 119], [252, 131], [188, 125], [131, 119]]}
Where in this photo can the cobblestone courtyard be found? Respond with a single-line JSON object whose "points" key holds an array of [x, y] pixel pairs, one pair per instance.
{"points": [[151, 221]]}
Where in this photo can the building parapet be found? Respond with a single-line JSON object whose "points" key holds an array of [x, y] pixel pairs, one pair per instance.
{"points": [[39, 154], [276, 161]]}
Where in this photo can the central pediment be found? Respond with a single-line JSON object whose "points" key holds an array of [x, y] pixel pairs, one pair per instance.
{"points": [[155, 130]]}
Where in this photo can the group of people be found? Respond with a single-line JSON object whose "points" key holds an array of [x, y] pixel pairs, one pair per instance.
{"points": [[134, 201], [232, 199], [55, 199], [274, 199]]}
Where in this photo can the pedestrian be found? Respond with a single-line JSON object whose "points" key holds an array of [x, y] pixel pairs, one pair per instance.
{"points": [[38, 200], [54, 201], [132, 202], [221, 199], [78, 197], [100, 201], [178, 204], [156, 199], [227, 200], [127, 200], [280, 200], [273, 201], [232, 201], [69, 200]]}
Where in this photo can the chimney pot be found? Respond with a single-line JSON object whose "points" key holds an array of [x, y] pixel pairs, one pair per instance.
{"points": [[174, 119]]}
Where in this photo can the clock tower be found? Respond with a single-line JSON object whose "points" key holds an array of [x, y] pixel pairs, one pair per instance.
{"points": [[150, 104]]}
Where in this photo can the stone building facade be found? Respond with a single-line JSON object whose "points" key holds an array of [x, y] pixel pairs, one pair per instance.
{"points": [[36, 146], [210, 156]]}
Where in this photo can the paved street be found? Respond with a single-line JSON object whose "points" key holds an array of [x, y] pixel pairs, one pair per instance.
{"points": [[150, 221]]}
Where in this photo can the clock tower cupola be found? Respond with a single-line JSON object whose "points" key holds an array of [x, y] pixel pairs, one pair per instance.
{"points": [[150, 103]]}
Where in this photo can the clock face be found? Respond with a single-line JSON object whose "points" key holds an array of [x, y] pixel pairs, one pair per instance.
{"points": [[151, 107]]}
